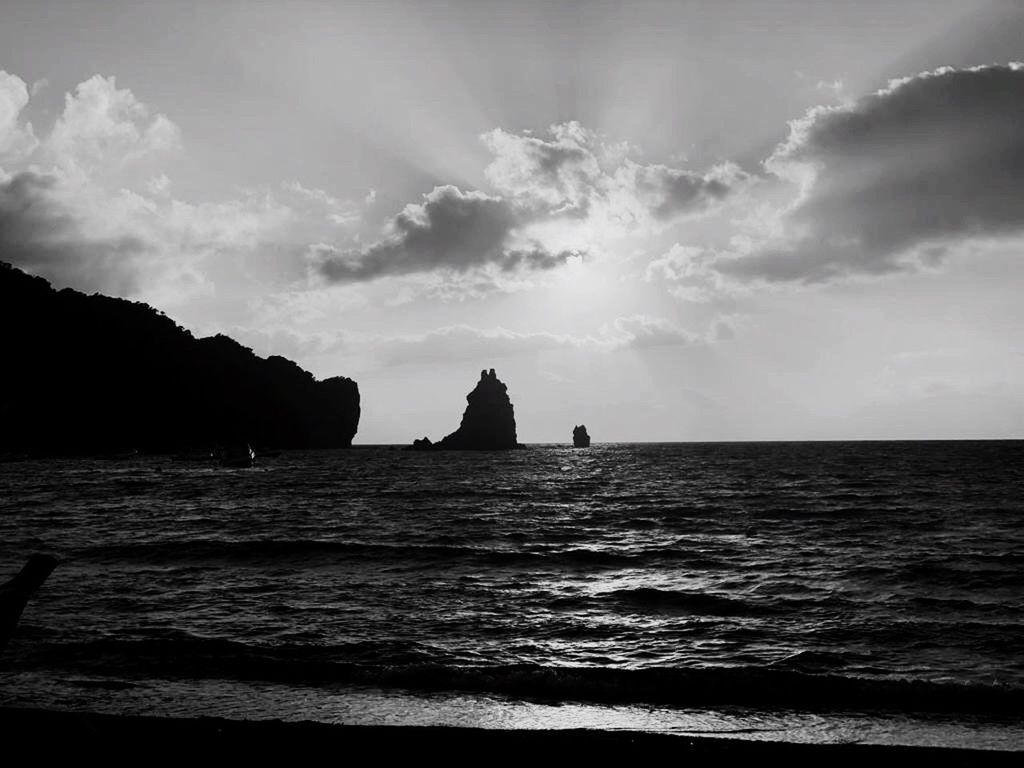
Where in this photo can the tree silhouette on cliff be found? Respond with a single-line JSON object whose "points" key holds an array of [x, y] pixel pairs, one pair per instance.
{"points": [[84, 374]]}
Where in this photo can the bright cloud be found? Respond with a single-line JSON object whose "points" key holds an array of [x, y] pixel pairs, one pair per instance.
{"points": [[103, 125], [556, 198], [76, 209], [16, 139], [576, 173]]}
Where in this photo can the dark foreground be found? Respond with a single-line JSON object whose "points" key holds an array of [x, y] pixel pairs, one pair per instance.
{"points": [[48, 733]]}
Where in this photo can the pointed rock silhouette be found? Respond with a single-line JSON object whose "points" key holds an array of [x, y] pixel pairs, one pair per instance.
{"points": [[580, 438], [488, 423]]}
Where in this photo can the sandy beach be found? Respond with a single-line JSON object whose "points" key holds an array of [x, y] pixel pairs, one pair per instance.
{"points": [[79, 734]]}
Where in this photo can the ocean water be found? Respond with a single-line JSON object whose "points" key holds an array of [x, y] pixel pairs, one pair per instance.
{"points": [[829, 592]]}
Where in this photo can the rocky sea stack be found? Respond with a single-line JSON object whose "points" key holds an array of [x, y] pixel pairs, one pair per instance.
{"points": [[580, 438], [488, 423]]}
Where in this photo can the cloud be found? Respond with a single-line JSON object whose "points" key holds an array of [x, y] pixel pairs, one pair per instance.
{"points": [[15, 139], [691, 274], [87, 206], [643, 332], [75, 233], [558, 174], [38, 234], [335, 211], [159, 186], [100, 219], [123, 243], [678, 263], [59, 219], [289, 343], [117, 227], [576, 173], [558, 196], [450, 230], [891, 181], [463, 342], [104, 125], [670, 192]]}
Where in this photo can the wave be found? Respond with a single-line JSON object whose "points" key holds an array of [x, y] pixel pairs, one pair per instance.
{"points": [[650, 598], [324, 552], [812, 661], [948, 604], [992, 572], [411, 667], [656, 600]]}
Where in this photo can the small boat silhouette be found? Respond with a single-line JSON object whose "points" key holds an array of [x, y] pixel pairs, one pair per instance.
{"points": [[240, 455]]}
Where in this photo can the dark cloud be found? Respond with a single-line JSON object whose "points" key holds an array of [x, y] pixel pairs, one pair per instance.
{"points": [[451, 230], [671, 192], [891, 180], [39, 235]]}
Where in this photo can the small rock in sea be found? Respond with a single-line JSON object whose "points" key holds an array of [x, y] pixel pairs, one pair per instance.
{"points": [[580, 438]]}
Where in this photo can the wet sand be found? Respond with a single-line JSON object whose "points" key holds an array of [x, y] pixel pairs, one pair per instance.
{"points": [[44, 733]]}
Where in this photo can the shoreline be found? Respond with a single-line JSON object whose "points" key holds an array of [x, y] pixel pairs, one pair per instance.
{"points": [[53, 732]]}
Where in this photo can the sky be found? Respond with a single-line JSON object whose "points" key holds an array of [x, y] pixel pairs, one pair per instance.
{"points": [[772, 220]]}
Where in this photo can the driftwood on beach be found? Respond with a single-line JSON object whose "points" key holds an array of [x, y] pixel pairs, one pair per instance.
{"points": [[16, 593]]}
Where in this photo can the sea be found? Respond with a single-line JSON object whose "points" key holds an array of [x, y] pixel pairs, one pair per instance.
{"points": [[829, 592]]}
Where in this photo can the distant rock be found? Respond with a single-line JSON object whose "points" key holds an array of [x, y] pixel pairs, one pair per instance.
{"points": [[98, 375], [488, 423], [580, 438]]}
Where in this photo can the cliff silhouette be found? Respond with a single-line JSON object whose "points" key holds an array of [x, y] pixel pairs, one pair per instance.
{"points": [[488, 423], [93, 374]]}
